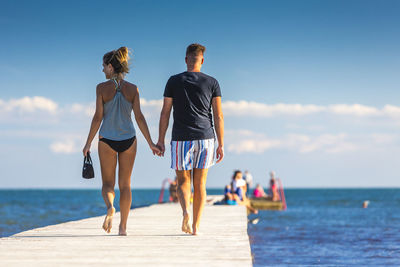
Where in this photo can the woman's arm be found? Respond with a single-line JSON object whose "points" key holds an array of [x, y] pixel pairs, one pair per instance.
{"points": [[141, 122], [219, 126], [96, 121]]}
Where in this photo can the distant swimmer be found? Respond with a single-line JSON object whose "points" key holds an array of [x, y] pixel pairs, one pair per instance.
{"points": [[365, 204], [195, 98], [115, 100]]}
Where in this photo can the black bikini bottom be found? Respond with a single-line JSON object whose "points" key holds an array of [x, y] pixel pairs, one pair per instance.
{"points": [[119, 146]]}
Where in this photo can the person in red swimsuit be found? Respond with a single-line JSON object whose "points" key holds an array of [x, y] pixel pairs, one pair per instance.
{"points": [[273, 189]]}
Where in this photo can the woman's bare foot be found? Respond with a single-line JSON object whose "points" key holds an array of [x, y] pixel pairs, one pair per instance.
{"points": [[107, 225], [185, 224], [195, 230], [122, 231]]}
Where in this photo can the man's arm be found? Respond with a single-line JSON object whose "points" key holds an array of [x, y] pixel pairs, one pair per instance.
{"points": [[164, 121], [219, 126]]}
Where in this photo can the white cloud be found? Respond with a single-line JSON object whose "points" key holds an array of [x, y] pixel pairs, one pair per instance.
{"points": [[329, 143], [355, 109], [382, 138], [72, 144], [254, 145], [64, 147], [230, 108], [391, 110], [39, 134], [248, 142], [151, 108], [256, 109], [29, 105], [245, 108], [151, 103], [86, 109], [43, 110]]}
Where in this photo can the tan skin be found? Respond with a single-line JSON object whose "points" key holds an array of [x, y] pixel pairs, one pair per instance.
{"points": [[108, 157], [194, 64]]}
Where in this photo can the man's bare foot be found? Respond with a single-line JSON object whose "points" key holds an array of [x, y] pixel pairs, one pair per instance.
{"points": [[122, 231], [107, 225], [185, 224]]}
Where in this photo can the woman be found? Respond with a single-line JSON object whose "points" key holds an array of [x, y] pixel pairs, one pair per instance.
{"points": [[259, 192], [115, 100], [238, 192]]}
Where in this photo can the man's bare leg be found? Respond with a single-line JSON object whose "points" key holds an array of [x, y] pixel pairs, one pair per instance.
{"points": [[108, 164], [199, 198], [184, 192], [126, 160]]}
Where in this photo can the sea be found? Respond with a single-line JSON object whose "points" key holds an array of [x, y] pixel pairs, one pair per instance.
{"points": [[319, 227]]}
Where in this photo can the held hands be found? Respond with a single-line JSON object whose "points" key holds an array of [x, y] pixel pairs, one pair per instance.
{"points": [[156, 150], [220, 153], [161, 146]]}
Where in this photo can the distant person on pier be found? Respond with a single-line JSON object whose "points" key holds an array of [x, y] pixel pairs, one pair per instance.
{"points": [[235, 193], [196, 100], [259, 191], [173, 196], [273, 188], [249, 181], [228, 195]]}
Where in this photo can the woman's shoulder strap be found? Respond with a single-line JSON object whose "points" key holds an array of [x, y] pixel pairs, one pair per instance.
{"points": [[117, 85]]}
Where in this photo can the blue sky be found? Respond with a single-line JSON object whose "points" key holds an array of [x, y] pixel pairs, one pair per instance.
{"points": [[310, 88]]}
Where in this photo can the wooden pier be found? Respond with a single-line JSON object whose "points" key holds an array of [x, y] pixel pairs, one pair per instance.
{"points": [[154, 239]]}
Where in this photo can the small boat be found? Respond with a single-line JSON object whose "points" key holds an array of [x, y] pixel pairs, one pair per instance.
{"points": [[266, 203]]}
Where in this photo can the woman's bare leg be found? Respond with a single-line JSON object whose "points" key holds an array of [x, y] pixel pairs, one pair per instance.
{"points": [[199, 198], [245, 202], [108, 163], [126, 160]]}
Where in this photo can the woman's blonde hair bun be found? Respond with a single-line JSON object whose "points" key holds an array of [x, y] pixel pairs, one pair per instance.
{"points": [[118, 59]]}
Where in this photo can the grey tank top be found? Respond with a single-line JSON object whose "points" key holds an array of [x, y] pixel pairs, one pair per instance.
{"points": [[117, 122]]}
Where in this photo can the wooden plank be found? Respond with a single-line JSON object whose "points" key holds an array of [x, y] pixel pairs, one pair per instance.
{"points": [[154, 239]]}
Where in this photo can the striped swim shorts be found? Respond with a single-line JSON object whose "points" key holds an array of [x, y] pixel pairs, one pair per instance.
{"points": [[188, 155]]}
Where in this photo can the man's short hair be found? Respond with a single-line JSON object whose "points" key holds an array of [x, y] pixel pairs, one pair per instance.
{"points": [[195, 50]]}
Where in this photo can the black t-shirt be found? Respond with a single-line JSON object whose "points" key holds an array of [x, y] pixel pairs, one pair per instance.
{"points": [[192, 94]]}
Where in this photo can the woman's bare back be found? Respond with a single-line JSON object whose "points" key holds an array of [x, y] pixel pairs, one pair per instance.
{"points": [[107, 90]]}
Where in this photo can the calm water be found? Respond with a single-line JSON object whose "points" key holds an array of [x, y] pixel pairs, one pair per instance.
{"points": [[329, 227], [320, 227]]}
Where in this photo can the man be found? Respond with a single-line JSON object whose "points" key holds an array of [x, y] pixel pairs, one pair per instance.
{"points": [[193, 95]]}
